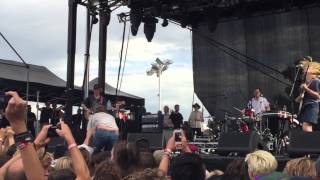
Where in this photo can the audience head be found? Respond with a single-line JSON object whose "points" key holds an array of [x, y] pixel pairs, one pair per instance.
{"points": [[106, 170], [146, 160], [86, 155], [147, 174], [65, 174], [97, 158], [303, 166], [237, 168], [260, 163], [187, 166], [157, 155], [63, 163], [126, 157]]}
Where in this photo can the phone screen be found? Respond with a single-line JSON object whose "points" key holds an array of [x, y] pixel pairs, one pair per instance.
{"points": [[177, 136]]}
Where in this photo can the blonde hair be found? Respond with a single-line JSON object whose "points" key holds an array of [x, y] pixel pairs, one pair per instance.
{"points": [[311, 65], [63, 163], [45, 157], [300, 167], [261, 162]]}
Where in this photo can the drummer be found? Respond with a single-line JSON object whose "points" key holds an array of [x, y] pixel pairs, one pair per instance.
{"points": [[258, 103]]}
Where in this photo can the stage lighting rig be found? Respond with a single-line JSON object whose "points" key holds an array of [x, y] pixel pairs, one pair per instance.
{"points": [[135, 19], [149, 26]]}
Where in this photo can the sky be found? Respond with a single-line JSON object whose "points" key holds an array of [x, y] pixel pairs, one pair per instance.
{"points": [[38, 30]]}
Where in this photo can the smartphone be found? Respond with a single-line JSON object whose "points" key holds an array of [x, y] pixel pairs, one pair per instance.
{"points": [[177, 135]]}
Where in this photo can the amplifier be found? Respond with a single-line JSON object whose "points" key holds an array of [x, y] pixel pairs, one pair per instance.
{"points": [[150, 119], [151, 128]]}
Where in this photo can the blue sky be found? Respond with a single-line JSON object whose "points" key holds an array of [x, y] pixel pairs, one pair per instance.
{"points": [[38, 30]]}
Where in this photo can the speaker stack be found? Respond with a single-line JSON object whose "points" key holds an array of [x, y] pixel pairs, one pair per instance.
{"points": [[237, 143]]}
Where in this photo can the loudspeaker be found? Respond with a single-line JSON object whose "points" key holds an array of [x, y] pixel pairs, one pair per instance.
{"points": [[235, 142], [155, 140], [304, 143]]}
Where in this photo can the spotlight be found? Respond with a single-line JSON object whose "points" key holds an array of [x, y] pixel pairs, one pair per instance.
{"points": [[149, 27], [135, 19], [165, 23]]}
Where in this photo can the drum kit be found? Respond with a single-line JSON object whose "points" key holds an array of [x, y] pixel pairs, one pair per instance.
{"points": [[250, 121]]}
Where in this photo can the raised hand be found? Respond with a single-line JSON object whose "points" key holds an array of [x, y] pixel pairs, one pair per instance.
{"points": [[65, 132], [16, 112], [42, 138]]}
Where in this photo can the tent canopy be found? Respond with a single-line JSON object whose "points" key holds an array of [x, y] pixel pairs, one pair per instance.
{"points": [[13, 76]]}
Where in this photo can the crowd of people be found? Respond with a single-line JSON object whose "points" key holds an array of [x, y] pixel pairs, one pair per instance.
{"points": [[25, 157]]}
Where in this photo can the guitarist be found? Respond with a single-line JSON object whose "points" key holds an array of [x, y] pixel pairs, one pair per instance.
{"points": [[309, 96], [91, 103]]}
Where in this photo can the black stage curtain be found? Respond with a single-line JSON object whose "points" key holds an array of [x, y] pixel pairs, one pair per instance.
{"points": [[276, 40]]}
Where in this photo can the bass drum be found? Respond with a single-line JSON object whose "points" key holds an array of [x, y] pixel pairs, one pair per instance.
{"points": [[244, 128]]}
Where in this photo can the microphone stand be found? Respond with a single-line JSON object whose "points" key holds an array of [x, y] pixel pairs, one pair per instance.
{"points": [[294, 82], [291, 91]]}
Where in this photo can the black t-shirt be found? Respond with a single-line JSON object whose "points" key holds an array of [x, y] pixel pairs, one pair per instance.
{"points": [[177, 119], [45, 115]]}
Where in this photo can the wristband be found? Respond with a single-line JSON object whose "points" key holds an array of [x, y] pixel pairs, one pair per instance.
{"points": [[72, 146], [23, 137]]}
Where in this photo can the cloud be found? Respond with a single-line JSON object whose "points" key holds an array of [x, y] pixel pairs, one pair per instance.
{"points": [[38, 30]]}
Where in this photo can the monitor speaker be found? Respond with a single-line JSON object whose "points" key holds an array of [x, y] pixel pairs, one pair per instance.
{"points": [[239, 143], [155, 140], [304, 143]]}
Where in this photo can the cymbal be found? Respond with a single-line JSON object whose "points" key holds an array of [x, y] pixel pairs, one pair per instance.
{"points": [[237, 109]]}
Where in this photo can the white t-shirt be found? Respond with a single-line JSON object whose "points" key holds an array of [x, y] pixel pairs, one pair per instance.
{"points": [[102, 118], [259, 105]]}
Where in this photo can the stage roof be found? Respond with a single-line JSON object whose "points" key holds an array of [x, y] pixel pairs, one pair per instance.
{"points": [[13, 76]]}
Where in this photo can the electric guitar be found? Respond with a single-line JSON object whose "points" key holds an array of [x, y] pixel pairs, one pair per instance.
{"points": [[299, 99]]}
